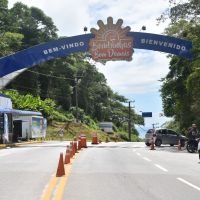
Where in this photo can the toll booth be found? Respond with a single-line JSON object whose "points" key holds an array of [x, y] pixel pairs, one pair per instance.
{"points": [[29, 125]]}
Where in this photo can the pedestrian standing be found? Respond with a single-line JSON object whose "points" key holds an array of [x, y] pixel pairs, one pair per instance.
{"points": [[198, 149]]}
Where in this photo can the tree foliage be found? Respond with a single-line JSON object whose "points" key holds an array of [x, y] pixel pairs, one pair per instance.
{"points": [[51, 87], [180, 88]]}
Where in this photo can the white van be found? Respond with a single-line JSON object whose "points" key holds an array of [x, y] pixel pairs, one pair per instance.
{"points": [[106, 127]]}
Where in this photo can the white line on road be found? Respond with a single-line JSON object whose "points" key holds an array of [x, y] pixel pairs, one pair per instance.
{"points": [[160, 167], [147, 159], [188, 183], [134, 150], [138, 154]]}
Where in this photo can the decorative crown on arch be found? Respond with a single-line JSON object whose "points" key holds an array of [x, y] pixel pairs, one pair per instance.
{"points": [[111, 41]]}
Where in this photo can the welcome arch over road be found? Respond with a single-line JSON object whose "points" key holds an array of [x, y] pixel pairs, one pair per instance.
{"points": [[111, 40]]}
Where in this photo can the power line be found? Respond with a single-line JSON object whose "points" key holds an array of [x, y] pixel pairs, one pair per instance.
{"points": [[47, 75]]}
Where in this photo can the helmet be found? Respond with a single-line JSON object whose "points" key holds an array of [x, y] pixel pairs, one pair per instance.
{"points": [[193, 125]]}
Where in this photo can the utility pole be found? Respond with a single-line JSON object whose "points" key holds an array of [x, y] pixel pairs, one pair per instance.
{"points": [[154, 125], [129, 120], [76, 97], [77, 80]]}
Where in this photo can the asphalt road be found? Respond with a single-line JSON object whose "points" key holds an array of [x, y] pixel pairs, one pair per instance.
{"points": [[107, 171]]}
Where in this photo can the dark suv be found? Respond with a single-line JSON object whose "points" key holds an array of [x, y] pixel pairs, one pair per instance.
{"points": [[164, 136]]}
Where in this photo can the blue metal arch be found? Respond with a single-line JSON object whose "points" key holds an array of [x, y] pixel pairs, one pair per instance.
{"points": [[65, 46]]}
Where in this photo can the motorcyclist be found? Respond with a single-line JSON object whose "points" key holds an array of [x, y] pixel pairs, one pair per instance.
{"points": [[193, 132], [198, 148], [193, 138]]}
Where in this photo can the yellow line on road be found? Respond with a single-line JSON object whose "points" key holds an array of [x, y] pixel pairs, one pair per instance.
{"points": [[56, 186], [50, 188], [64, 179]]}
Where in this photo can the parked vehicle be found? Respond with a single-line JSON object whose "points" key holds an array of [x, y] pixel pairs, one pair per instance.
{"points": [[164, 136]]}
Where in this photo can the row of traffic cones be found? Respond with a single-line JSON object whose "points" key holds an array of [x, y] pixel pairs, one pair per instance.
{"points": [[152, 146], [71, 150], [95, 139]]}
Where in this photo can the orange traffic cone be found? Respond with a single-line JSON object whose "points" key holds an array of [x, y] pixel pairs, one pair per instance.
{"points": [[71, 152], [67, 157], [60, 170], [94, 138], [79, 145], [83, 141], [73, 149], [75, 146], [67, 148]]}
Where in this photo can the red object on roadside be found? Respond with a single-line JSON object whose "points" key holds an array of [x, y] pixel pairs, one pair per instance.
{"points": [[60, 170]]}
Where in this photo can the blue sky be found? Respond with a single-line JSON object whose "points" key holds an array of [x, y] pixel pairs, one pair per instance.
{"points": [[138, 79]]}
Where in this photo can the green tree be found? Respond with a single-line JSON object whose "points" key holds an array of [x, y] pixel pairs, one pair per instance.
{"points": [[10, 41], [180, 87]]}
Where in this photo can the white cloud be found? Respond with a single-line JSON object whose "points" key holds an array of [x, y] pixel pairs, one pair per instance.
{"points": [[71, 16], [141, 75]]}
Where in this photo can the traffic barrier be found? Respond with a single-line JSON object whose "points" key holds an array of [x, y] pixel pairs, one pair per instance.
{"points": [[60, 170], [94, 138]]}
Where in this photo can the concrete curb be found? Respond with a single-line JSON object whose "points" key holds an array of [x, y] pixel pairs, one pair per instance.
{"points": [[3, 146]]}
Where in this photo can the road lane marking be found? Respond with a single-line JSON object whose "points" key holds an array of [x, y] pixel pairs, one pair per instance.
{"points": [[138, 154], [56, 186], [188, 183], [134, 150], [160, 167], [147, 159], [50, 188], [64, 179]]}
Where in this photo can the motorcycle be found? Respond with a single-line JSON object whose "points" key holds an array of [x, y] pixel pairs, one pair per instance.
{"points": [[192, 146], [192, 143]]}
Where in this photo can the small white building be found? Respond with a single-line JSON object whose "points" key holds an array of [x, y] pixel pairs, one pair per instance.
{"points": [[19, 124], [29, 125]]}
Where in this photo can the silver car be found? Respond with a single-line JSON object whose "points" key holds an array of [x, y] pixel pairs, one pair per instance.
{"points": [[164, 136]]}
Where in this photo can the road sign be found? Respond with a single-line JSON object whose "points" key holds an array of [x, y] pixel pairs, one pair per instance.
{"points": [[146, 114]]}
